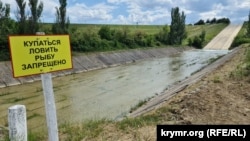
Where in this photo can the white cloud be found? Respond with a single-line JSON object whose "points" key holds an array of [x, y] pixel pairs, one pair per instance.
{"points": [[147, 17], [49, 10], [142, 11], [216, 12], [83, 13], [208, 15], [116, 1]]}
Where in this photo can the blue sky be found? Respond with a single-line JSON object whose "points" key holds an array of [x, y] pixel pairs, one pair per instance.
{"points": [[143, 11]]}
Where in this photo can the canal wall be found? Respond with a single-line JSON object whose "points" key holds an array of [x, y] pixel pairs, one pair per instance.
{"points": [[91, 61]]}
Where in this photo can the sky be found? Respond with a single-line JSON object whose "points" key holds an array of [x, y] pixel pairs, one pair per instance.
{"points": [[144, 12]]}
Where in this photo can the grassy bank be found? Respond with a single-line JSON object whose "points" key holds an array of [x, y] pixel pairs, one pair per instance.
{"points": [[243, 69], [241, 37], [211, 31]]}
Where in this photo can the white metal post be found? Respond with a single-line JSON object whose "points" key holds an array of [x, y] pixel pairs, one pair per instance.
{"points": [[17, 123], [50, 106]]}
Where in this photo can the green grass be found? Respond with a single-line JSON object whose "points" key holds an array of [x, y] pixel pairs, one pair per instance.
{"points": [[217, 79], [241, 37], [4, 136], [6, 93], [243, 69], [138, 122], [87, 129], [211, 31], [150, 29], [33, 116], [141, 102], [93, 129]]}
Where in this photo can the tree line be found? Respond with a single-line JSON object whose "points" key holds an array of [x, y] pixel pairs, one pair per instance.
{"points": [[110, 39], [213, 21]]}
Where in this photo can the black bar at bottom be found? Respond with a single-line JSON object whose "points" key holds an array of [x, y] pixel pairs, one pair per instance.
{"points": [[203, 132]]}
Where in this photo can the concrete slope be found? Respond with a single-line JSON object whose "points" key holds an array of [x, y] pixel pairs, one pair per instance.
{"points": [[225, 38]]}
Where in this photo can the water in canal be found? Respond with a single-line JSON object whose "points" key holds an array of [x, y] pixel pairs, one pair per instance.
{"points": [[106, 93]]}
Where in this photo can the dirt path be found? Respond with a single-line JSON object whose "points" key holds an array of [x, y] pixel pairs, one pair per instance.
{"points": [[225, 38]]}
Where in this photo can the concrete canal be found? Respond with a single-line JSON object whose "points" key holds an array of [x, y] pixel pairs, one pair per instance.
{"points": [[105, 93]]}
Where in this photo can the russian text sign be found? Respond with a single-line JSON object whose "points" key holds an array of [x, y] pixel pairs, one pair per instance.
{"points": [[39, 54]]}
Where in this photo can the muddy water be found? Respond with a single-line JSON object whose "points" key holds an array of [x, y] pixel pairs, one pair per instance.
{"points": [[107, 93]]}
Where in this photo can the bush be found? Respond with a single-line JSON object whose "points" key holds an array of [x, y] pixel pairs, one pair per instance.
{"points": [[163, 35], [198, 41], [5, 55], [4, 50], [116, 45], [149, 40], [239, 40], [158, 43], [105, 33], [139, 38], [129, 41]]}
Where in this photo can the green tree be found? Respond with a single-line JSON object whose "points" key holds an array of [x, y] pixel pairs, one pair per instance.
{"points": [[177, 27], [208, 21], [200, 22], [21, 17], [248, 26], [61, 24], [223, 20], [36, 12], [213, 21], [7, 26]]}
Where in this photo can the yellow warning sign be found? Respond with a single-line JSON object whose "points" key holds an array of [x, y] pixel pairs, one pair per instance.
{"points": [[39, 54]]}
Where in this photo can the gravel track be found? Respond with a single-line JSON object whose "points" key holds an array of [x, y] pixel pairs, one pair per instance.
{"points": [[225, 38]]}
